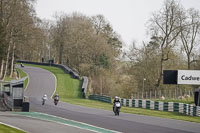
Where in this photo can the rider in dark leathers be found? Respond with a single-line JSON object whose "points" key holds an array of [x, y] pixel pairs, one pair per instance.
{"points": [[56, 98]]}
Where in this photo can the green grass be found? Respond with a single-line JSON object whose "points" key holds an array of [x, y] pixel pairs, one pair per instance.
{"points": [[7, 129], [63, 88], [23, 74]]}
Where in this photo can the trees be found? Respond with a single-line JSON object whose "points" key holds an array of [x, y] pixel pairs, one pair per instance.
{"points": [[189, 34], [91, 47], [82, 42], [104, 29], [172, 30], [145, 64], [87, 44], [165, 26], [18, 30]]}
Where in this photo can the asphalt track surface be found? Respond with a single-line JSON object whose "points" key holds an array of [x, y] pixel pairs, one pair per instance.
{"points": [[35, 125], [43, 82]]}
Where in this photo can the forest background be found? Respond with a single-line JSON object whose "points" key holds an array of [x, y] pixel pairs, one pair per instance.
{"points": [[90, 46]]}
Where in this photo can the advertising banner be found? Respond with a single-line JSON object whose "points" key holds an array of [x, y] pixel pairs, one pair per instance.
{"points": [[189, 77]]}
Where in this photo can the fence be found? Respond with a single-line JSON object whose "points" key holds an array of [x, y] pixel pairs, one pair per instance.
{"points": [[168, 94], [63, 67], [102, 98], [187, 109]]}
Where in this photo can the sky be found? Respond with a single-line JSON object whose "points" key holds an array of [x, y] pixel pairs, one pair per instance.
{"points": [[127, 17]]}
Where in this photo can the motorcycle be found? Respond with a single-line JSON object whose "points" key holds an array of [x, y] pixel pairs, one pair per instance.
{"points": [[117, 107], [22, 65], [56, 99]]}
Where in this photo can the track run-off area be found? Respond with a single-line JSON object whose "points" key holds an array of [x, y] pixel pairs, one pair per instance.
{"points": [[71, 118]]}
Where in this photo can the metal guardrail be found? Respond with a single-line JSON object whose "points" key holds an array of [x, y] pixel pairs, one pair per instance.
{"points": [[187, 109], [101, 98], [63, 67]]}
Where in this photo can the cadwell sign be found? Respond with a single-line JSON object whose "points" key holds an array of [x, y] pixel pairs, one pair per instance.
{"points": [[190, 77]]}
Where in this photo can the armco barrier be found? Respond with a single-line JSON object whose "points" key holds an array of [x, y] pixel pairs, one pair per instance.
{"points": [[66, 69], [163, 106], [63, 67], [155, 105], [101, 98]]}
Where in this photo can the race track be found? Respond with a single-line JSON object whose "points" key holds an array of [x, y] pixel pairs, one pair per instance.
{"points": [[44, 82], [32, 125]]}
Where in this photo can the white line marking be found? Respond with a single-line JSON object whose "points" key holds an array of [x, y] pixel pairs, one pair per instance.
{"points": [[62, 123], [55, 84], [13, 126], [28, 80], [76, 122]]}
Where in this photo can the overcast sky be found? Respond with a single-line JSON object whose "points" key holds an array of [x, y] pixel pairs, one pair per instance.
{"points": [[128, 17]]}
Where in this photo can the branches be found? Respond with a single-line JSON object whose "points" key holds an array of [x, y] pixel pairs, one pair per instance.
{"points": [[16, 16], [188, 35], [166, 25]]}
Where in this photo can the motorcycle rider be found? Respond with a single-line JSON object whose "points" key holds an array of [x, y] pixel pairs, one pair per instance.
{"points": [[56, 98], [22, 65], [115, 100], [44, 98]]}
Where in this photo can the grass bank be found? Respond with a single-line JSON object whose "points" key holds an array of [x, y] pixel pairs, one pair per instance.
{"points": [[7, 129], [23, 74], [66, 85]]}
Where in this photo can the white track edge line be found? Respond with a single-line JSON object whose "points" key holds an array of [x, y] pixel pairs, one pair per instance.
{"points": [[79, 122], [62, 123], [28, 80], [55, 84], [13, 126]]}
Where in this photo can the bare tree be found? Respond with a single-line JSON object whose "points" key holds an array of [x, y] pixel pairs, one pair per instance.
{"points": [[191, 28], [165, 28]]}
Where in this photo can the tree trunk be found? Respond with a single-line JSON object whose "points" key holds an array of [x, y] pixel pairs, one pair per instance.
{"points": [[188, 58], [2, 67], [6, 67], [160, 74], [60, 53], [12, 62]]}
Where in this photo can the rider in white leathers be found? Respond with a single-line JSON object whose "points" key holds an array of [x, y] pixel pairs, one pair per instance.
{"points": [[44, 98]]}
